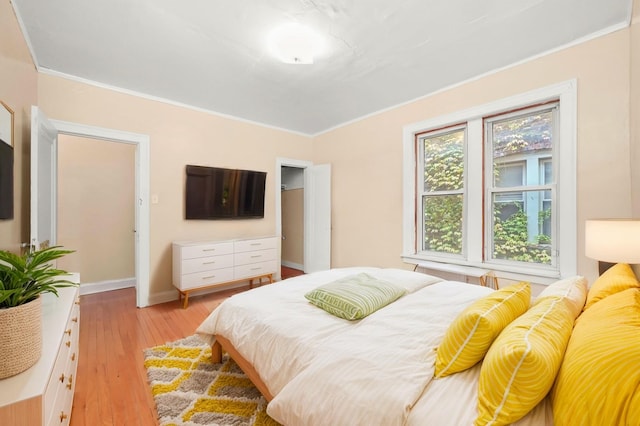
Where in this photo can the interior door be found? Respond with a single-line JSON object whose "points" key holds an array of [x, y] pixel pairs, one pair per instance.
{"points": [[44, 141], [317, 200]]}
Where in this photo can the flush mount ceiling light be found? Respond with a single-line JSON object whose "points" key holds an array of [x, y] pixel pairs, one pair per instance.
{"points": [[295, 44]]}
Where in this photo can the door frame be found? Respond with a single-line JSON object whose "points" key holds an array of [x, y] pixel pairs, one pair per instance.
{"points": [[307, 244], [298, 164], [142, 189]]}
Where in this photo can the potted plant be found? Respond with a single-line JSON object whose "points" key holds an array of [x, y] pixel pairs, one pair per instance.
{"points": [[23, 278]]}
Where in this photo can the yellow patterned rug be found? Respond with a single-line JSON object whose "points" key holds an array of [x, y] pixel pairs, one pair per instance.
{"points": [[190, 390]]}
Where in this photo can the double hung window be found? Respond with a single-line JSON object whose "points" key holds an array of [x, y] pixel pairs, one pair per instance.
{"points": [[495, 186]]}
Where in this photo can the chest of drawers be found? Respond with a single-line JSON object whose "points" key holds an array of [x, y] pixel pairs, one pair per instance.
{"points": [[43, 394], [199, 265]]}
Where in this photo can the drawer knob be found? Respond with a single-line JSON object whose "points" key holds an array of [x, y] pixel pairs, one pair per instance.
{"points": [[70, 384], [73, 356], [68, 344], [62, 378], [74, 319], [63, 416], [68, 332], [77, 302]]}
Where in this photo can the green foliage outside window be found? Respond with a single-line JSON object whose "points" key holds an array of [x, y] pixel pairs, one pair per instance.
{"points": [[511, 239], [444, 171]]}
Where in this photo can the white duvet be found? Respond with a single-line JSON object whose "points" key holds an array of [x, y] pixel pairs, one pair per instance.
{"points": [[323, 370]]}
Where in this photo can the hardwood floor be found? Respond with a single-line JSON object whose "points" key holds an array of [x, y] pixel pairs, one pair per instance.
{"points": [[287, 272], [111, 387]]}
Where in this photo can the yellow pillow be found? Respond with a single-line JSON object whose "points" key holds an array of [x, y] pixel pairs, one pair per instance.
{"points": [[617, 278], [522, 363], [469, 336], [598, 382], [574, 289]]}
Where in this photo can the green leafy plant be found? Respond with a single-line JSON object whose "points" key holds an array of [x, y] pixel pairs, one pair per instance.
{"points": [[24, 277]]}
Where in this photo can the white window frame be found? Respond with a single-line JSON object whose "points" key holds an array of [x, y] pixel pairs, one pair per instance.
{"points": [[420, 185], [566, 94]]}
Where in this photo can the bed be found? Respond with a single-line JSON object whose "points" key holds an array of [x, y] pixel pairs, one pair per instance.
{"points": [[315, 368]]}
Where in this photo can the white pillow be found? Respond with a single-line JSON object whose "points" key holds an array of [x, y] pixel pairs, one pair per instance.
{"points": [[574, 289]]}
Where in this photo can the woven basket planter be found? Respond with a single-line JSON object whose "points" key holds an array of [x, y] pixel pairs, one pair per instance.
{"points": [[21, 337]]}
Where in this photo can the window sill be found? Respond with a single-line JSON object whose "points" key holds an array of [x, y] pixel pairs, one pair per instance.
{"points": [[457, 266]]}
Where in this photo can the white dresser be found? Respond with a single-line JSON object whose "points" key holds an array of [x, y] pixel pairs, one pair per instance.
{"points": [[43, 394], [199, 265]]}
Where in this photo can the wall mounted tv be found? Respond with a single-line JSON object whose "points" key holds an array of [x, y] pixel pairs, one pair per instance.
{"points": [[217, 193], [6, 181]]}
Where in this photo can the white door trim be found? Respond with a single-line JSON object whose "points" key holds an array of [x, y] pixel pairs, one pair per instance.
{"points": [[141, 191], [285, 162]]}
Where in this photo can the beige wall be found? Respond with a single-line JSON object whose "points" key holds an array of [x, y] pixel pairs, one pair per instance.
{"points": [[366, 156], [178, 136], [18, 89], [101, 175], [293, 226]]}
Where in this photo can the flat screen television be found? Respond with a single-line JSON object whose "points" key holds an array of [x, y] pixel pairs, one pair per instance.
{"points": [[6, 181], [218, 193]]}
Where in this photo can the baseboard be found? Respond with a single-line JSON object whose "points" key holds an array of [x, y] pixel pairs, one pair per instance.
{"points": [[293, 265], [109, 285]]}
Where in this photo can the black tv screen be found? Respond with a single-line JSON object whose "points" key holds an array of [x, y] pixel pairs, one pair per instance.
{"points": [[218, 193], [6, 181]]}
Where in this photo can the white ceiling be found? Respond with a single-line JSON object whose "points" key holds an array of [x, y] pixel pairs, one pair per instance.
{"points": [[212, 54]]}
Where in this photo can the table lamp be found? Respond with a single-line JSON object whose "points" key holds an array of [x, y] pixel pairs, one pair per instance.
{"points": [[611, 241]]}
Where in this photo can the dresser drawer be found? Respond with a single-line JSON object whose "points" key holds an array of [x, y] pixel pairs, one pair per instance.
{"points": [[206, 250], [201, 264], [58, 395], [255, 269], [248, 257], [257, 244], [201, 279]]}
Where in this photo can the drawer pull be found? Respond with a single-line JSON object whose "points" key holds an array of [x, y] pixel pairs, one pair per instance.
{"points": [[68, 332], [68, 344], [255, 256], [70, 384], [63, 416], [256, 244], [209, 249], [74, 319], [77, 302], [209, 263], [61, 378], [256, 269], [73, 356], [209, 277]]}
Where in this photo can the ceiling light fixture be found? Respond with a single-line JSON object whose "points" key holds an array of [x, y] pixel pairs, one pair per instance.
{"points": [[295, 44]]}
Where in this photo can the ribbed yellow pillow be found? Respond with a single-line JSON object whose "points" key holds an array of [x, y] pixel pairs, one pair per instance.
{"points": [[522, 363], [599, 380], [615, 279], [469, 336]]}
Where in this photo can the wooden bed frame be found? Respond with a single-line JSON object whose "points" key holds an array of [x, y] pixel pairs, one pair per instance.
{"points": [[223, 344]]}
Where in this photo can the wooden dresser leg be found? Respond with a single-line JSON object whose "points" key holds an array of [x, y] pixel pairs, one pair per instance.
{"points": [[216, 352], [185, 303]]}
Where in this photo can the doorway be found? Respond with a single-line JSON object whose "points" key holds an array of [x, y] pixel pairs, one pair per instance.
{"points": [[44, 136], [316, 209]]}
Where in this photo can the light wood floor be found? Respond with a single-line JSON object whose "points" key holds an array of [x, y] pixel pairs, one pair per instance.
{"points": [[111, 387]]}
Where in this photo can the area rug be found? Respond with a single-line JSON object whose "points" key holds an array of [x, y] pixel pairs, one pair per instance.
{"points": [[190, 390]]}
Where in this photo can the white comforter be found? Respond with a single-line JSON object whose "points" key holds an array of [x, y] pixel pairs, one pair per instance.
{"points": [[323, 370]]}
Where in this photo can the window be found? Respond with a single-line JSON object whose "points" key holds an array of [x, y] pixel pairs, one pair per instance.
{"points": [[518, 142], [483, 187], [442, 193]]}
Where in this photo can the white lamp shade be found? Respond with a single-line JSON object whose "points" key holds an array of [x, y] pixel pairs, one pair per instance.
{"points": [[613, 240]]}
